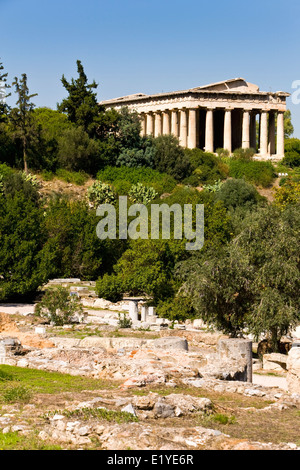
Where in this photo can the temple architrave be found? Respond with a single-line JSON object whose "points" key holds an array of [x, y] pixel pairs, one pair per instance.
{"points": [[219, 115]]}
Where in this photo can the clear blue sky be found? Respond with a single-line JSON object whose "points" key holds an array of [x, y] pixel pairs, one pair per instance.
{"points": [[131, 46]]}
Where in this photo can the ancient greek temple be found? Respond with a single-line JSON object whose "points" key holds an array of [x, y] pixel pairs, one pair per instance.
{"points": [[230, 114]]}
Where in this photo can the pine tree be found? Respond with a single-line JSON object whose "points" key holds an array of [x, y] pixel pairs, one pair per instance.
{"points": [[22, 116], [81, 105], [4, 108]]}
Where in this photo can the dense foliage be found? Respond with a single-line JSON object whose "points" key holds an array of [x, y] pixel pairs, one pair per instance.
{"points": [[244, 279]]}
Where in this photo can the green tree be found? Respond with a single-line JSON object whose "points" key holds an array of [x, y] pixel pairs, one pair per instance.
{"points": [[52, 124], [21, 242], [77, 151], [4, 108], [288, 126], [145, 268], [22, 117], [253, 281], [170, 157], [58, 306], [238, 193], [81, 105]]}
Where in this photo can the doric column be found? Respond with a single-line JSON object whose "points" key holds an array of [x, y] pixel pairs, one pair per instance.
{"points": [[264, 133], [227, 131], [174, 122], [246, 130], [280, 134], [157, 124], [192, 132], [166, 123], [253, 130], [183, 128], [209, 131], [272, 134], [143, 124], [149, 124]]}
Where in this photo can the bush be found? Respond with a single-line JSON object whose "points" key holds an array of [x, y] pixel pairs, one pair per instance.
{"points": [[170, 157], [179, 308], [255, 172], [58, 306], [109, 288], [124, 321], [72, 248], [122, 178], [291, 159], [100, 193], [77, 151], [223, 153], [238, 193], [74, 177], [136, 158], [244, 154], [141, 194], [206, 167]]}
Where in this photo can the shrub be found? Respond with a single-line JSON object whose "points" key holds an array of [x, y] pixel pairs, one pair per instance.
{"points": [[222, 153], [58, 306], [47, 175], [122, 178], [74, 177], [109, 287], [238, 193], [291, 159], [288, 194], [206, 167], [124, 321], [76, 150], [179, 308], [100, 193], [255, 172], [244, 154], [142, 194], [136, 158], [170, 158]]}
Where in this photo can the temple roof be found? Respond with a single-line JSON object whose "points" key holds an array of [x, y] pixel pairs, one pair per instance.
{"points": [[234, 85]]}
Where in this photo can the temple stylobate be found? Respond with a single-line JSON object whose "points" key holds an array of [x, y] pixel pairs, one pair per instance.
{"points": [[229, 114]]}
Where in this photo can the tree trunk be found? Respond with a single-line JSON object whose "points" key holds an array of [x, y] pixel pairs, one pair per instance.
{"points": [[25, 157]]}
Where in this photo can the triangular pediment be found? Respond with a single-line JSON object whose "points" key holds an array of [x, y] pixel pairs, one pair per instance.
{"points": [[235, 84]]}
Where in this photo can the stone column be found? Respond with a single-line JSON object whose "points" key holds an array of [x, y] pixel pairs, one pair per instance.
{"points": [[166, 123], [264, 137], [227, 131], [246, 130], [280, 134], [133, 311], [209, 131], [272, 134], [183, 128], [192, 133], [174, 122], [144, 310], [157, 124], [143, 125], [253, 130], [149, 125], [239, 351]]}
